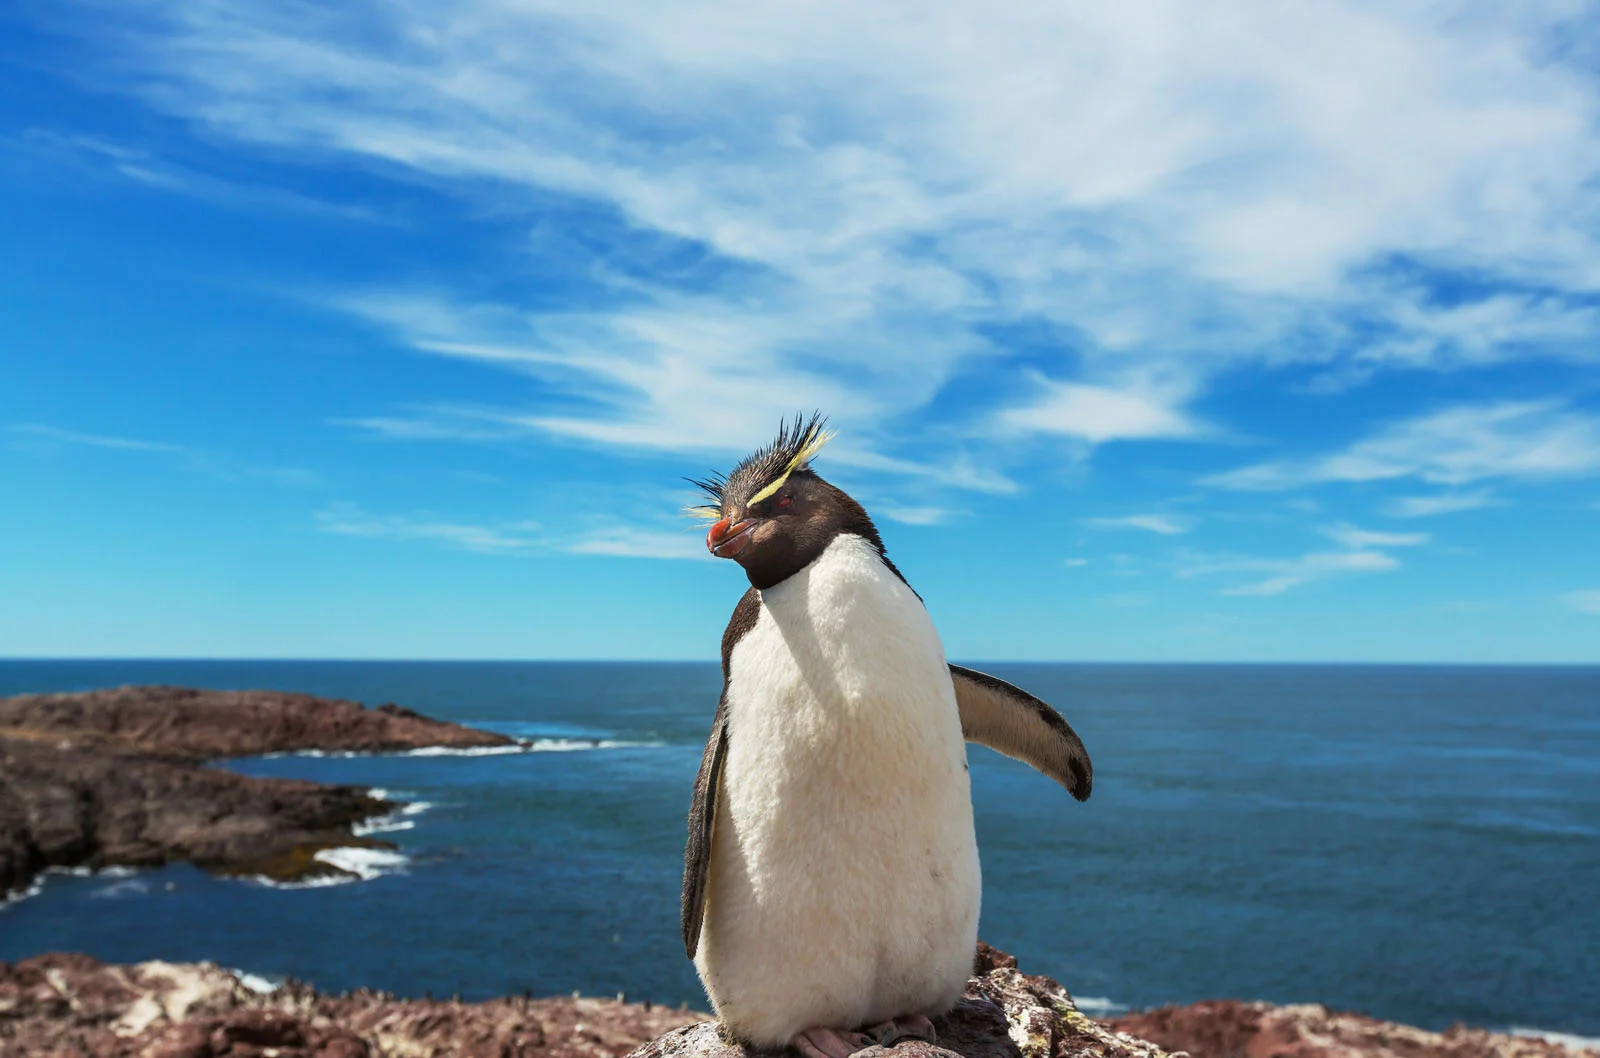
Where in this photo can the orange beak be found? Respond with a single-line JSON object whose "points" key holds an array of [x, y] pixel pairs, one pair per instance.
{"points": [[726, 541]]}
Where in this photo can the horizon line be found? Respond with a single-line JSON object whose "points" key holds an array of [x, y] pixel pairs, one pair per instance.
{"points": [[1172, 662]]}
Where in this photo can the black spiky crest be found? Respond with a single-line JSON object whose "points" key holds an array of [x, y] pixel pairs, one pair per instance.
{"points": [[766, 468]]}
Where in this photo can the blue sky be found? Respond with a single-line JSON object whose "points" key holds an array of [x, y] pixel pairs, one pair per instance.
{"points": [[1169, 332]]}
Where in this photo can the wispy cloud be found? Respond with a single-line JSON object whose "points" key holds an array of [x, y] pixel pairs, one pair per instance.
{"points": [[855, 200], [147, 169], [1527, 440], [1350, 536], [512, 538], [1583, 601], [524, 537], [1150, 523], [198, 460], [1286, 573], [624, 542], [913, 515], [1098, 414], [94, 440], [1440, 503]]}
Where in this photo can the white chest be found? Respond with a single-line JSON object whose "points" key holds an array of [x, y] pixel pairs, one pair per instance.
{"points": [[843, 654], [843, 835]]}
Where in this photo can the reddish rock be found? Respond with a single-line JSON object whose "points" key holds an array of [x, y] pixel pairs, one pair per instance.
{"points": [[204, 725], [1004, 1014], [113, 778], [1228, 1028], [73, 1006]]}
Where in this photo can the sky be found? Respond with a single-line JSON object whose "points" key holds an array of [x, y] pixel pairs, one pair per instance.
{"points": [[1150, 331]]}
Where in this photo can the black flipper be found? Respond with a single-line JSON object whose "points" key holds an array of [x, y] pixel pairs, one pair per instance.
{"points": [[1011, 721], [702, 815], [708, 783]]}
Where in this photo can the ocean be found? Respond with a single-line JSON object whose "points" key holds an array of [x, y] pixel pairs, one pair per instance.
{"points": [[1417, 843]]}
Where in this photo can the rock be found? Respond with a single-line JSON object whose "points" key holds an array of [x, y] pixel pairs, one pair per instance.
{"points": [[95, 809], [1228, 1028], [204, 725], [74, 1005], [1004, 1014], [113, 778]]}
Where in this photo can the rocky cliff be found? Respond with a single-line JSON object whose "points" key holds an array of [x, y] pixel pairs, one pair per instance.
{"points": [[114, 778], [181, 722]]}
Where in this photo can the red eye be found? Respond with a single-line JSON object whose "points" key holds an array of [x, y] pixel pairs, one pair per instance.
{"points": [[784, 502]]}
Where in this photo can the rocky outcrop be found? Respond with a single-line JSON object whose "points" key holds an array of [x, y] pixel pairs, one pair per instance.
{"points": [[1228, 1028], [65, 806], [204, 725], [1004, 1014], [73, 1005], [114, 778]]}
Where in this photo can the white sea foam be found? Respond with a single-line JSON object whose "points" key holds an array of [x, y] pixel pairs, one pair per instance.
{"points": [[521, 745], [258, 984], [119, 889], [34, 889], [1566, 1039], [322, 881], [571, 745], [1098, 1006], [467, 751], [416, 808], [381, 825], [365, 864]]}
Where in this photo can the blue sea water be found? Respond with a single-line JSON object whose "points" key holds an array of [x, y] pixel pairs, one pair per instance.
{"points": [[1421, 844]]}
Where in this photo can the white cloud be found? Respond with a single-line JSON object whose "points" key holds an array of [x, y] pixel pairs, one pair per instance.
{"points": [[197, 460], [1075, 563], [1583, 601], [629, 542], [1286, 573], [1350, 536], [512, 538], [913, 515], [1440, 503], [1150, 523], [93, 440], [1098, 414], [1176, 189], [1457, 446]]}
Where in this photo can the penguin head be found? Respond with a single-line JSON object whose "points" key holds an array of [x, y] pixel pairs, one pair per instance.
{"points": [[773, 514]]}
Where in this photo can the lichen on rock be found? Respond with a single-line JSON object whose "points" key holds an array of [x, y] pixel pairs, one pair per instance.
{"points": [[1004, 1013]]}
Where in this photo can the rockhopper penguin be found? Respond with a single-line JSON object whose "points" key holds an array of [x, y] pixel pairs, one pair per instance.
{"points": [[831, 883]]}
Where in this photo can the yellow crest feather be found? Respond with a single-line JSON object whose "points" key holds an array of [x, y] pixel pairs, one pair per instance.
{"points": [[812, 446]]}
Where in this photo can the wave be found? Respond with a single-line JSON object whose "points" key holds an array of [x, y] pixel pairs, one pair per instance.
{"points": [[34, 889], [365, 864], [118, 890], [381, 825], [90, 872], [256, 983], [1098, 1006], [526, 745], [37, 885], [356, 865], [1566, 1039]]}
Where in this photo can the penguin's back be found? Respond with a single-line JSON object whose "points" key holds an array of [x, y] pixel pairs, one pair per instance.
{"points": [[844, 883]]}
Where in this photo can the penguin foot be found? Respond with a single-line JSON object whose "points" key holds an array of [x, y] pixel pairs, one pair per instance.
{"points": [[830, 1043], [904, 1027]]}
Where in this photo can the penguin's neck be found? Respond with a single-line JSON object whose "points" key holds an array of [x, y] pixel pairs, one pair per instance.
{"points": [[849, 592]]}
